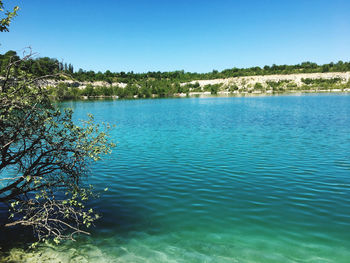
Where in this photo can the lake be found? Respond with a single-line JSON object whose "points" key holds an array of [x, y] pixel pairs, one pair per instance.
{"points": [[241, 179]]}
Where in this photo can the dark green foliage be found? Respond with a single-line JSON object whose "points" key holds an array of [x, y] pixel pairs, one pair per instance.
{"points": [[258, 86], [192, 87], [49, 66], [213, 88], [277, 85], [233, 88], [321, 82], [292, 86]]}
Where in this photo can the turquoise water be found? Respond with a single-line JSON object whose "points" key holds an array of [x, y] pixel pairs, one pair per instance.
{"points": [[259, 179]]}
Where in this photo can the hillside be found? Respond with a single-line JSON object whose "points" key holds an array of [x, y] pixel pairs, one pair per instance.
{"points": [[71, 84], [306, 82], [329, 81]]}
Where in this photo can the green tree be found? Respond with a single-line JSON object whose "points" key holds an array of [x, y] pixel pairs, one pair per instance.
{"points": [[44, 160], [44, 155], [6, 17]]}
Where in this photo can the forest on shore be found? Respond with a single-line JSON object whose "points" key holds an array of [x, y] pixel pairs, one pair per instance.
{"points": [[164, 84]]}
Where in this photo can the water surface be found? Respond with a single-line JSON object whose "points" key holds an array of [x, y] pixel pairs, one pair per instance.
{"points": [[258, 179]]}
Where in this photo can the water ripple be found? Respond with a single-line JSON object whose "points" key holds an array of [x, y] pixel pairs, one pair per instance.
{"points": [[261, 179]]}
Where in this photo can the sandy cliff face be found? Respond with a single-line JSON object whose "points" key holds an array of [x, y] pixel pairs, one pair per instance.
{"points": [[295, 78], [82, 85]]}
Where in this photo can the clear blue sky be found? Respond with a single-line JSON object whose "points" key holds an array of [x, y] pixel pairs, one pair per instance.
{"points": [[196, 36]]}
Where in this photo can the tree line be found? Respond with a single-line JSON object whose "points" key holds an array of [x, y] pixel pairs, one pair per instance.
{"points": [[43, 66]]}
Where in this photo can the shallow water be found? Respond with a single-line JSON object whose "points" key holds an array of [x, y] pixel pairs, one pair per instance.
{"points": [[258, 179]]}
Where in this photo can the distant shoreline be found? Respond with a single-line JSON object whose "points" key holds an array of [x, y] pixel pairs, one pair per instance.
{"points": [[218, 95], [331, 82]]}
